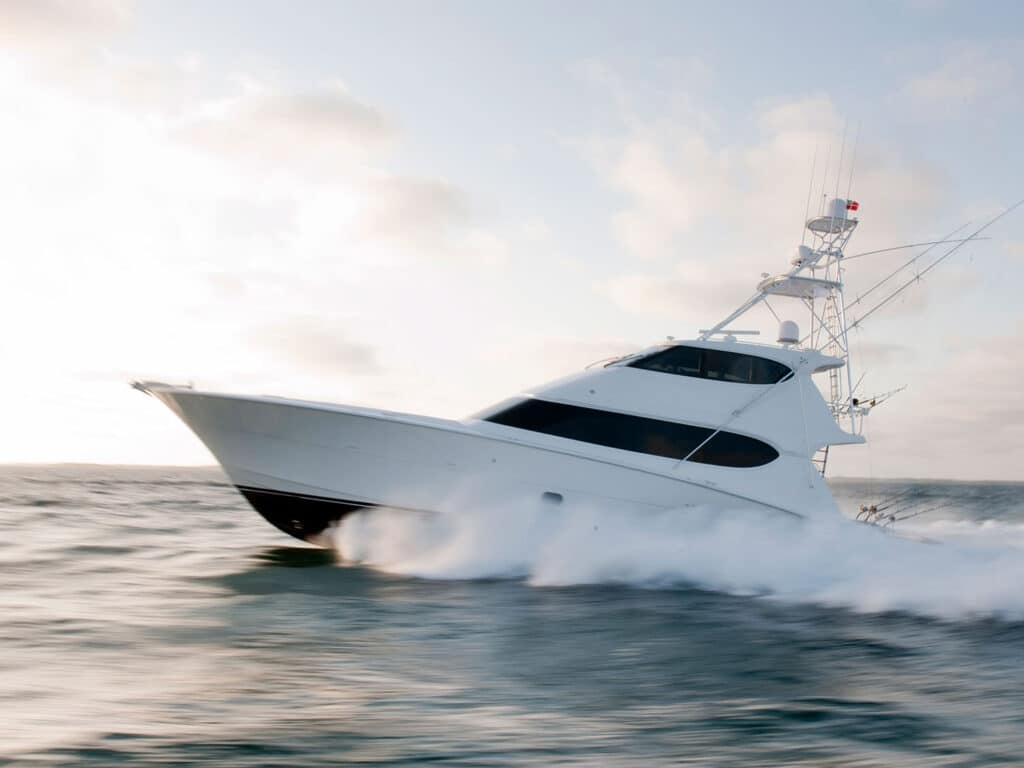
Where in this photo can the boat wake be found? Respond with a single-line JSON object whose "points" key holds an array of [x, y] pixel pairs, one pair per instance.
{"points": [[950, 569]]}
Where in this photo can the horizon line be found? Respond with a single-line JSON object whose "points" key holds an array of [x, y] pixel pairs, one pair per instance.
{"points": [[128, 465]]}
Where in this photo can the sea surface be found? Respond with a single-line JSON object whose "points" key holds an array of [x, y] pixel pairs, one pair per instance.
{"points": [[149, 616]]}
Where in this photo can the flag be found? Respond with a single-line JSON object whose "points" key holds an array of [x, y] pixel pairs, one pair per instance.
{"points": [[852, 205]]}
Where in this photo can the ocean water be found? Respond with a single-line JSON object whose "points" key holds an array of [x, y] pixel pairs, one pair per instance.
{"points": [[149, 616]]}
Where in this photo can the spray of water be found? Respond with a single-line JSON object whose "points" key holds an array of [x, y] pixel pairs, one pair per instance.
{"points": [[953, 570]]}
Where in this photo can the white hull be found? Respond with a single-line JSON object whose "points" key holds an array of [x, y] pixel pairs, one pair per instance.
{"points": [[304, 465]]}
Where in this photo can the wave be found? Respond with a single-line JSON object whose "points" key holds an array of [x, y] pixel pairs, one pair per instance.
{"points": [[948, 569]]}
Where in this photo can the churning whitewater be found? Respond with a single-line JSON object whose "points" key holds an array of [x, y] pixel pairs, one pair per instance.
{"points": [[943, 568]]}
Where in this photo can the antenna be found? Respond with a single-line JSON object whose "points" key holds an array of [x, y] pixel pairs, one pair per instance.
{"points": [[824, 180], [842, 152], [853, 162], [807, 207], [839, 169]]}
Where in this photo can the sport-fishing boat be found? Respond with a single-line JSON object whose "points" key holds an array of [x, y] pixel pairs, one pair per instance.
{"points": [[716, 422]]}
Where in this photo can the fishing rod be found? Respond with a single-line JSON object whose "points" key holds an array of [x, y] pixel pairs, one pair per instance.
{"points": [[914, 504], [875, 513], [896, 502], [912, 245], [906, 264], [922, 512], [874, 400], [899, 497], [856, 323]]}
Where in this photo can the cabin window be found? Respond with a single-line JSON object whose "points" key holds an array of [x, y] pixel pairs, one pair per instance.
{"points": [[717, 364], [635, 433], [727, 449]]}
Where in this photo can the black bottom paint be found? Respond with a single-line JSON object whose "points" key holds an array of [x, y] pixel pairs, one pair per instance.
{"points": [[297, 514]]}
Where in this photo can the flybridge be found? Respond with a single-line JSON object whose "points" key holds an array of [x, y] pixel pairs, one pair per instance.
{"points": [[816, 280]]}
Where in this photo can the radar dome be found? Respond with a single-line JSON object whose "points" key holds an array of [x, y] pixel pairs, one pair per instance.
{"points": [[789, 332]]}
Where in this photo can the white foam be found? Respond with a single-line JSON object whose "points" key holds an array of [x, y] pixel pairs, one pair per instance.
{"points": [[962, 569]]}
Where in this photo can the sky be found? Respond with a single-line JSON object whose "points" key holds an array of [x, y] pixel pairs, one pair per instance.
{"points": [[429, 207]]}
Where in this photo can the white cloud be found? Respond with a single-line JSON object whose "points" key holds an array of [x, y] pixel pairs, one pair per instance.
{"points": [[317, 345], [548, 358], [255, 217], [966, 77], [1014, 249], [538, 359], [658, 176], [730, 208], [693, 293], [669, 175], [158, 230], [316, 131], [429, 217], [880, 353], [48, 26], [960, 416], [412, 210]]}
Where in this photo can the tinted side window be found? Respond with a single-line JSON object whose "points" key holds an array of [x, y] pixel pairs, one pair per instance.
{"points": [[716, 364], [682, 361], [614, 430], [727, 449], [635, 433], [725, 366]]}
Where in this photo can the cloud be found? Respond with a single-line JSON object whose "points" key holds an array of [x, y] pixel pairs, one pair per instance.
{"points": [[302, 174], [669, 176], [869, 354], [657, 176], [314, 131], [677, 175], [959, 418], [1014, 249], [569, 354], [966, 77], [432, 219], [327, 137], [71, 44], [154, 255], [692, 292], [726, 209], [539, 359], [245, 218], [315, 345], [414, 211], [48, 26]]}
